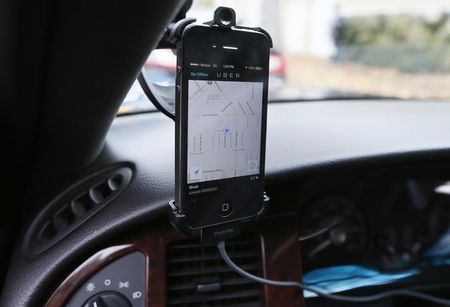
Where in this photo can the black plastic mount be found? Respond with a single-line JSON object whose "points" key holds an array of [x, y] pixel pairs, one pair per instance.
{"points": [[216, 233], [224, 17]]}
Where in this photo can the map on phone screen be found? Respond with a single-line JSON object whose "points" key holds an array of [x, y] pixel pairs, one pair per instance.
{"points": [[224, 129]]}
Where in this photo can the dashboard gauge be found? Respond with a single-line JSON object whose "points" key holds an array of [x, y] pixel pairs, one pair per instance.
{"points": [[439, 219], [403, 240], [400, 246], [437, 243], [332, 231]]}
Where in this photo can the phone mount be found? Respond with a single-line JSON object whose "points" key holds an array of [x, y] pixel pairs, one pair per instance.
{"points": [[214, 233], [224, 18], [161, 95]]}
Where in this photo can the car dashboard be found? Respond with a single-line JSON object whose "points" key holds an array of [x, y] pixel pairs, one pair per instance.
{"points": [[360, 203]]}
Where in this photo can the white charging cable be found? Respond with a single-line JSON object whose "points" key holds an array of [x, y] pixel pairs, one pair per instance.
{"points": [[322, 293]]}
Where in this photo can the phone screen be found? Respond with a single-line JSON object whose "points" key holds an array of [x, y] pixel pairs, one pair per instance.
{"points": [[224, 129], [220, 124]]}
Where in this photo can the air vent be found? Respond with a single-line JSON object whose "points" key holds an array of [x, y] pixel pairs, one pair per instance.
{"points": [[197, 275], [76, 204]]}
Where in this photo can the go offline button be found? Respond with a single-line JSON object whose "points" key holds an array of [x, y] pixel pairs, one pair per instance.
{"points": [[226, 209]]}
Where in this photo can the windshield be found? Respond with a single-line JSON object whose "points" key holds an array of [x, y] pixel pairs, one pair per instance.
{"points": [[338, 48]]}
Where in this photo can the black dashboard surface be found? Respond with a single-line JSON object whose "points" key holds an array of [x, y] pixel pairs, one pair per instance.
{"points": [[313, 134], [301, 138]]}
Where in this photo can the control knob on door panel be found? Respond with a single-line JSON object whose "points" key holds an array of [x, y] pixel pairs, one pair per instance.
{"points": [[107, 299]]}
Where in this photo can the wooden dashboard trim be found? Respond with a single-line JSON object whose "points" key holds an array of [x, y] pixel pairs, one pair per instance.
{"points": [[280, 254], [85, 270], [281, 261]]}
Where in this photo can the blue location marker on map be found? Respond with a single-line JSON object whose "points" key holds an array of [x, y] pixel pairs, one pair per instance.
{"points": [[226, 130]]}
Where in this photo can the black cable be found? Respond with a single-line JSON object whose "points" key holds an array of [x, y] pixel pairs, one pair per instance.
{"points": [[322, 293]]}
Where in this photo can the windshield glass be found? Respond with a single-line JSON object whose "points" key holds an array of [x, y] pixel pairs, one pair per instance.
{"points": [[338, 48]]}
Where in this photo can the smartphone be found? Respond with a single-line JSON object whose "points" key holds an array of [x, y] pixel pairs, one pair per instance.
{"points": [[221, 111]]}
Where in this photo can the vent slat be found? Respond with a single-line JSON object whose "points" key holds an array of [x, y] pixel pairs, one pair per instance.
{"points": [[190, 264], [236, 256], [75, 205], [225, 283], [211, 270], [226, 296], [197, 246]]}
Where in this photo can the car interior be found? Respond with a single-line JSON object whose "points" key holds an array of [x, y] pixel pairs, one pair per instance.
{"points": [[359, 184]]}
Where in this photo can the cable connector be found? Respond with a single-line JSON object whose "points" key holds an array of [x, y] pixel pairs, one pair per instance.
{"points": [[219, 233]]}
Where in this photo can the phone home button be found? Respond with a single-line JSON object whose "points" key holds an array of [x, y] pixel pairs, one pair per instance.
{"points": [[226, 209]]}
